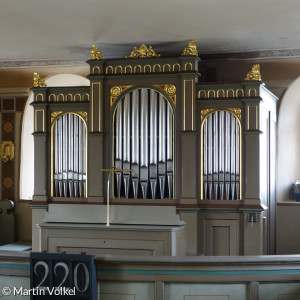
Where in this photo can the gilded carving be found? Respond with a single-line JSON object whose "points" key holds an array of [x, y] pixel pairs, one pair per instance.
{"points": [[191, 49], [7, 151], [205, 113], [143, 52], [115, 92], [170, 89], [236, 111], [54, 115], [254, 74], [83, 115], [37, 80], [95, 53]]}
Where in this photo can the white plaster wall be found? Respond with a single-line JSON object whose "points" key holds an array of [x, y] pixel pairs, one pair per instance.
{"points": [[288, 169]]}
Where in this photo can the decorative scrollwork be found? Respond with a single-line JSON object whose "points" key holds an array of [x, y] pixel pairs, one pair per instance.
{"points": [[170, 89], [254, 74], [37, 80], [143, 52], [191, 49], [95, 53]]}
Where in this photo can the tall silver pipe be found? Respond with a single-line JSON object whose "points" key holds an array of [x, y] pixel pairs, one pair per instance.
{"points": [[126, 128], [153, 127], [135, 127], [144, 127]]}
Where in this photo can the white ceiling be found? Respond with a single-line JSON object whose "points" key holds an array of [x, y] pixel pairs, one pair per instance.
{"points": [[40, 32]]}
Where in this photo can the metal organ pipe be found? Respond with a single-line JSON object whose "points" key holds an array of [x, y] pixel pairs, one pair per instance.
{"points": [[221, 157], [146, 133]]}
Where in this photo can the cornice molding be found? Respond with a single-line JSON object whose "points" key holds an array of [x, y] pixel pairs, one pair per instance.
{"points": [[40, 63]]}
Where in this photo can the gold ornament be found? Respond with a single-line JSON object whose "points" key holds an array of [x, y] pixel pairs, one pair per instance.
{"points": [[143, 52], [7, 151], [170, 89], [37, 80], [254, 74], [237, 112], [95, 53], [191, 49], [115, 91]]}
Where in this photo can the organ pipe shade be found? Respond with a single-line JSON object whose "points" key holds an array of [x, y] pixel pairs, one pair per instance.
{"points": [[69, 156], [221, 157], [143, 139]]}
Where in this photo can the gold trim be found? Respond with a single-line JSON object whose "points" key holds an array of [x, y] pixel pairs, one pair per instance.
{"points": [[188, 64], [191, 49], [7, 151], [116, 91], [157, 65], [134, 70], [254, 74], [205, 113], [218, 93], [256, 116], [63, 97], [109, 67], [166, 65], [211, 91], [35, 119], [176, 65], [55, 115], [96, 68], [237, 92], [130, 69], [71, 97], [88, 96], [39, 94], [170, 89], [236, 111], [145, 66], [77, 95], [95, 53], [184, 102], [116, 69], [143, 52], [255, 92], [199, 94], [227, 93], [38, 81]]}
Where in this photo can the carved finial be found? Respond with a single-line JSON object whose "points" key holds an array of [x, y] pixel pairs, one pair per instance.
{"points": [[254, 74], [191, 49], [37, 80], [95, 53], [143, 52]]}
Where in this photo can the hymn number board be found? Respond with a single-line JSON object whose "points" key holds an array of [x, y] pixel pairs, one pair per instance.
{"points": [[62, 276]]}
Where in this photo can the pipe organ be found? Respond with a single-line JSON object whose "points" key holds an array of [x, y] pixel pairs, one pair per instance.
{"points": [[69, 156], [170, 140], [221, 156], [143, 127]]}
